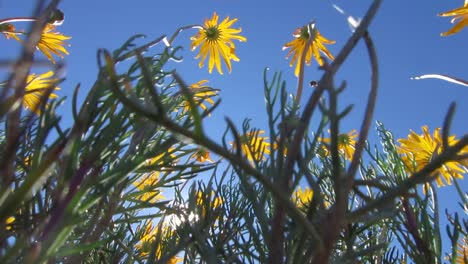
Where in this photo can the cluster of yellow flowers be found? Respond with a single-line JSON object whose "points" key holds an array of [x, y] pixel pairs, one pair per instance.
{"points": [[302, 198], [216, 43], [51, 43]]}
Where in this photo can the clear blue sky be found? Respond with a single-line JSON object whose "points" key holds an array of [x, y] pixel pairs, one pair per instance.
{"points": [[406, 35]]}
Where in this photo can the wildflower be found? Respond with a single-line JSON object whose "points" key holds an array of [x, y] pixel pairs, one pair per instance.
{"points": [[216, 42], [52, 42], [418, 150], [9, 31], [298, 46], [346, 144], [202, 155], [200, 95], [36, 88], [149, 235], [302, 198], [148, 184], [461, 19], [254, 146]]}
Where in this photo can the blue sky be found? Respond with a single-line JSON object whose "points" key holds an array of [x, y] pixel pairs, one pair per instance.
{"points": [[406, 35]]}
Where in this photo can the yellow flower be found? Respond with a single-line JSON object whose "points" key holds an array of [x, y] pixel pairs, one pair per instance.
{"points": [[418, 150], [346, 144], [254, 146], [302, 198], [9, 31], [298, 46], [200, 95], [175, 260], [36, 87], [148, 184], [202, 155], [148, 237], [52, 42], [215, 42], [9, 221], [460, 14]]}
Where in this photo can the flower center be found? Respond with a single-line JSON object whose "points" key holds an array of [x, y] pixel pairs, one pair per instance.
{"points": [[343, 139], [7, 27], [212, 33], [305, 33]]}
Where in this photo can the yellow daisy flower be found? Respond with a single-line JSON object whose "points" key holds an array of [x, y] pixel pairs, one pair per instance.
{"points": [[147, 238], [298, 46], [302, 197], [215, 42], [36, 87], [418, 150], [202, 155], [461, 19], [52, 42], [254, 145], [200, 95], [346, 144]]}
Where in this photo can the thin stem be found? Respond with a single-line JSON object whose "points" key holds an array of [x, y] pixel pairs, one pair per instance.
{"points": [[369, 110], [182, 29], [300, 81]]}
